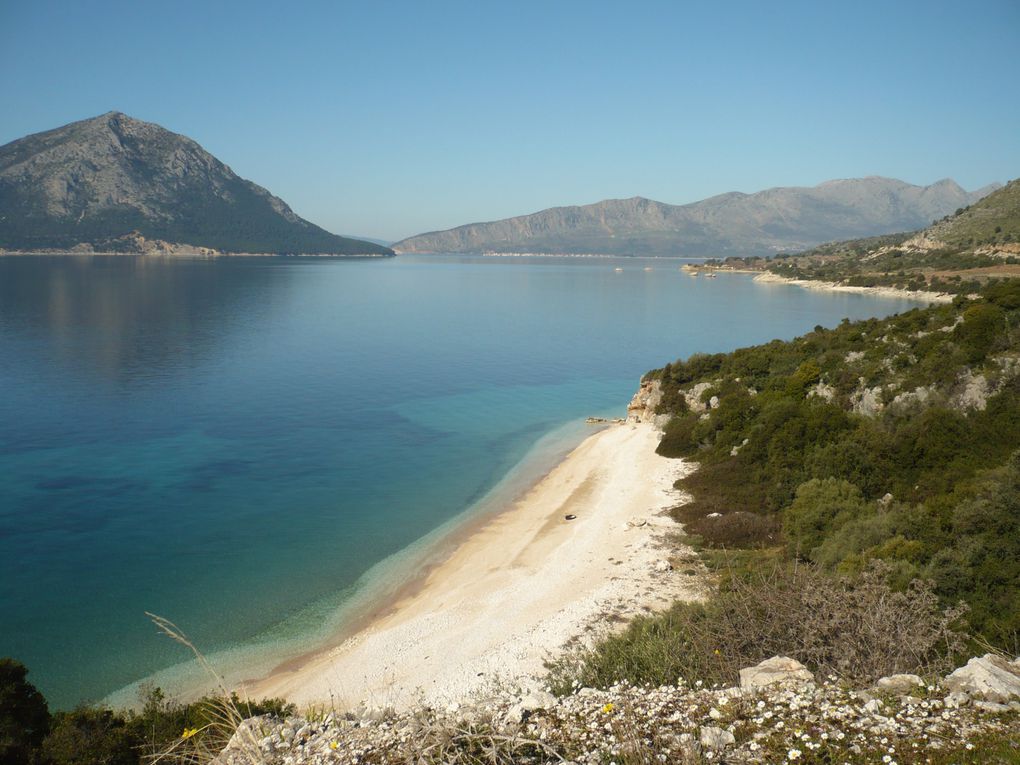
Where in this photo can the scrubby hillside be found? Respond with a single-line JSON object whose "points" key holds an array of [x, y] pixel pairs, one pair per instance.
{"points": [[894, 440]]}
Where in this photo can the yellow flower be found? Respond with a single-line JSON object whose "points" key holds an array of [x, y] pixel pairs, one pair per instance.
{"points": [[607, 708], [333, 745], [717, 652], [189, 732]]}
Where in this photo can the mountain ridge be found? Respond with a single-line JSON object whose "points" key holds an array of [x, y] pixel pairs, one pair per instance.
{"points": [[108, 181], [764, 222]]}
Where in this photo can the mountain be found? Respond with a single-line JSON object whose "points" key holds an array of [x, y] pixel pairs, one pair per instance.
{"points": [[111, 182], [956, 254], [789, 218]]}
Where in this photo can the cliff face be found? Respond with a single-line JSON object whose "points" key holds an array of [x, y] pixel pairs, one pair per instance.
{"points": [[643, 404], [729, 224], [101, 179]]}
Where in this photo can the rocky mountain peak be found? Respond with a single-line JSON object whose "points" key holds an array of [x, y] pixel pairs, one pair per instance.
{"points": [[103, 177]]}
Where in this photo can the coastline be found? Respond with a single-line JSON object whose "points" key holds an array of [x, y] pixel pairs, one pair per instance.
{"points": [[517, 588], [767, 277]]}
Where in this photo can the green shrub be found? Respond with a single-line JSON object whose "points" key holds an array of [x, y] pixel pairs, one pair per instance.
{"points": [[982, 325], [822, 505]]}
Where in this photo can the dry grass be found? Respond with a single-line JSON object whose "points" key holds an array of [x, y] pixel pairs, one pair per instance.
{"points": [[857, 629], [225, 712]]}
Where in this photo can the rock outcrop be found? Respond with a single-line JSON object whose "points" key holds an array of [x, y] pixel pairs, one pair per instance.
{"points": [[780, 671], [989, 677], [899, 683], [642, 406]]}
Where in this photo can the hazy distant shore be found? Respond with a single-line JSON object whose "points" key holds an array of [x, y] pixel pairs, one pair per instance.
{"points": [[930, 297], [516, 589], [182, 253]]}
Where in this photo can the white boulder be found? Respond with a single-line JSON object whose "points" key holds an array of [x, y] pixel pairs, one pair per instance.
{"points": [[990, 677], [899, 684], [779, 670], [716, 738]]}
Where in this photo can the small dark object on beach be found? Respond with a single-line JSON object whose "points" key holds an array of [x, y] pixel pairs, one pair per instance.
{"points": [[569, 517]]}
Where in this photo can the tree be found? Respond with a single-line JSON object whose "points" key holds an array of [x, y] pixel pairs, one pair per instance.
{"points": [[89, 736], [24, 715]]}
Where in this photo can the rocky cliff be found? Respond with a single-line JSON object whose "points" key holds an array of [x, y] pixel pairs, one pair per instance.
{"points": [[776, 219], [105, 181]]}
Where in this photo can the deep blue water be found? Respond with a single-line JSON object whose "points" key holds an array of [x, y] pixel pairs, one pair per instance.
{"points": [[233, 443]]}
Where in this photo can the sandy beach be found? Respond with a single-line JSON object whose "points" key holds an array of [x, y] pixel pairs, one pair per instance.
{"points": [[518, 588], [810, 284]]}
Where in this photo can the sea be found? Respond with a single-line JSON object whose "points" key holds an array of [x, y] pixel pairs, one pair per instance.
{"points": [[260, 449]]}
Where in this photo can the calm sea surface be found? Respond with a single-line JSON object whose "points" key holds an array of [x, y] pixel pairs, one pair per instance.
{"points": [[235, 443]]}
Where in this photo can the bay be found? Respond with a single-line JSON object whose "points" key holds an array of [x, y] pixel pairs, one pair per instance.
{"points": [[249, 445]]}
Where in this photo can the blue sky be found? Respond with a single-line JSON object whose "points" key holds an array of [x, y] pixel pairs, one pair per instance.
{"points": [[390, 118]]}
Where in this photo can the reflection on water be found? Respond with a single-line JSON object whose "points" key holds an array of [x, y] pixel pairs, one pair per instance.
{"points": [[126, 317]]}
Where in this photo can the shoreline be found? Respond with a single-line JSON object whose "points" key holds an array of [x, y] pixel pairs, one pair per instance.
{"points": [[371, 596], [767, 277], [512, 589]]}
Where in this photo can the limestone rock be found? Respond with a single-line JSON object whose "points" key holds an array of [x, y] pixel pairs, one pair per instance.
{"points": [[642, 407], [245, 744], [956, 699], [990, 677], [899, 684], [866, 401], [779, 670], [973, 392], [822, 391], [716, 738], [538, 700], [693, 397]]}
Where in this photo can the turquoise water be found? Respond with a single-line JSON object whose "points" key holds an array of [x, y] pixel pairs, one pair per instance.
{"points": [[235, 444]]}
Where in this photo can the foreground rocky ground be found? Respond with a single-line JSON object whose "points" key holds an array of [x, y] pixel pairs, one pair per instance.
{"points": [[779, 713]]}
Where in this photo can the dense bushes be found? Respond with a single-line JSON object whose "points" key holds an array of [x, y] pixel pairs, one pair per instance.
{"points": [[91, 735], [856, 628]]}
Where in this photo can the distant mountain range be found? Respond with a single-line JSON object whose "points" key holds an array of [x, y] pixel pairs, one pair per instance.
{"points": [[770, 221], [117, 183]]}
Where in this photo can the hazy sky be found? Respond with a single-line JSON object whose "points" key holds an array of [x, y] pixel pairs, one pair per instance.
{"points": [[391, 118]]}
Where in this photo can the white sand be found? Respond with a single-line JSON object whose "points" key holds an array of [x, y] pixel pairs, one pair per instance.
{"points": [[518, 588]]}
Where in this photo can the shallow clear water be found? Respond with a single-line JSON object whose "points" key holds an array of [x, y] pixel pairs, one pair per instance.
{"points": [[234, 443]]}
